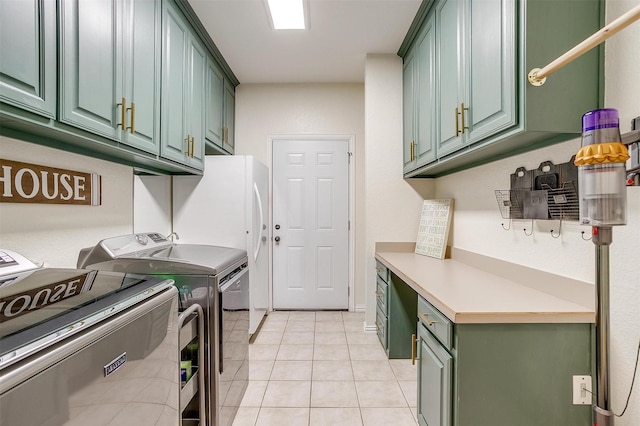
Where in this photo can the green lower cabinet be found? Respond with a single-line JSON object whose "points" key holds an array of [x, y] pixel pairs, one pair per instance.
{"points": [[435, 367], [520, 374], [401, 318], [504, 375]]}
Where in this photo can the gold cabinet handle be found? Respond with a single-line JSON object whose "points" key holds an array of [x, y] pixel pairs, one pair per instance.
{"points": [[457, 127], [132, 128], [123, 116], [193, 146], [414, 341], [188, 140], [463, 109], [225, 134], [425, 318]]}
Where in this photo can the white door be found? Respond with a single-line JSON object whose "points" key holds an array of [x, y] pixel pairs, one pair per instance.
{"points": [[310, 224]]}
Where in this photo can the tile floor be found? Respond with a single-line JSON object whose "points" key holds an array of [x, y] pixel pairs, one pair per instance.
{"points": [[321, 368]]}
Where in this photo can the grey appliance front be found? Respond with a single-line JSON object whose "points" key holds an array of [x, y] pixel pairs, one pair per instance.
{"points": [[104, 355], [198, 271]]}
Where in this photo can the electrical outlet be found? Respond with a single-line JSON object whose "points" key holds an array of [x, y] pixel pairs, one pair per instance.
{"points": [[582, 390]]}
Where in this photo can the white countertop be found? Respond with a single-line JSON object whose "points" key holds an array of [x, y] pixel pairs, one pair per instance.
{"points": [[467, 288]]}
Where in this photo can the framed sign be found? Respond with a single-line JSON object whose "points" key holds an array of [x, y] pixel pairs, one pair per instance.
{"points": [[433, 231], [32, 183]]}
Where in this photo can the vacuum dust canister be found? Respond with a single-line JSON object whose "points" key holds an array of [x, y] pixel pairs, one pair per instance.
{"points": [[601, 170]]}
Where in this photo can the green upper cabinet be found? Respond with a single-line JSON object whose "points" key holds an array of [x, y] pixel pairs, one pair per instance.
{"points": [[220, 111], [215, 99], [419, 87], [183, 91], [28, 64], [485, 108], [109, 69]]}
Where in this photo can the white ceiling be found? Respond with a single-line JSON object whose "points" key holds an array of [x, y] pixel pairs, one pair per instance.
{"points": [[332, 49]]}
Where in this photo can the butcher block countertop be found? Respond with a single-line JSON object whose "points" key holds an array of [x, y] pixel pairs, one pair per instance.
{"points": [[470, 288]]}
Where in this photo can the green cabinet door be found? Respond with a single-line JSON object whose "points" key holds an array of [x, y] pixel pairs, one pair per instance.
{"points": [[435, 369], [490, 68], [449, 24], [142, 24], [197, 103], [215, 99], [174, 139], [228, 142], [408, 112], [425, 127], [28, 55], [90, 66]]}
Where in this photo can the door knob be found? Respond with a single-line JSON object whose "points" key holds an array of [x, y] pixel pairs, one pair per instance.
{"points": [[277, 239]]}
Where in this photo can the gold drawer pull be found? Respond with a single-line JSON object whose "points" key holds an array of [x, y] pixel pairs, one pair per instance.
{"points": [[463, 108], [414, 340], [133, 117], [426, 320], [123, 116]]}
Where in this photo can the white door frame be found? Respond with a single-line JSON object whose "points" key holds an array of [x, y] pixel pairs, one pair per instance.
{"points": [[352, 178]]}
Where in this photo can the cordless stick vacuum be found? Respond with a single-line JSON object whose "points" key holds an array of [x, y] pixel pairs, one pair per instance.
{"points": [[603, 204]]}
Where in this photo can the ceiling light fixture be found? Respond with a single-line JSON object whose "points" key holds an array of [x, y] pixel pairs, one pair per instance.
{"points": [[287, 14]]}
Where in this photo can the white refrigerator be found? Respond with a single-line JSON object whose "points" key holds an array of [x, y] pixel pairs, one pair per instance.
{"points": [[229, 206]]}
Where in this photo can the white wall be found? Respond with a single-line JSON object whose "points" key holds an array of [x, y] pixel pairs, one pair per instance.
{"points": [[476, 222], [392, 204], [55, 233], [264, 110], [152, 204]]}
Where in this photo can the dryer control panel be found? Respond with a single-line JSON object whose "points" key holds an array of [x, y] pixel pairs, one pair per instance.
{"points": [[132, 243]]}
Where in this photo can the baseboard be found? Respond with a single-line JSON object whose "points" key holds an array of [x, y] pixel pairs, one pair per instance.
{"points": [[360, 308], [370, 328]]}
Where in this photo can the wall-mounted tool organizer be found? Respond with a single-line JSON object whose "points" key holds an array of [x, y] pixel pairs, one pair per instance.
{"points": [[548, 192], [632, 140]]}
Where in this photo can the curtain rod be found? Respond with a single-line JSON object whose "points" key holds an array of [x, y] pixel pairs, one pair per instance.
{"points": [[538, 76]]}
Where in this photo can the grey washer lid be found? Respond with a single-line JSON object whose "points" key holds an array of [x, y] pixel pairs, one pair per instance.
{"points": [[188, 259]]}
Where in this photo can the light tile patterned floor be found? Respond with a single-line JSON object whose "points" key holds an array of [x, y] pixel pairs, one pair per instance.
{"points": [[321, 368]]}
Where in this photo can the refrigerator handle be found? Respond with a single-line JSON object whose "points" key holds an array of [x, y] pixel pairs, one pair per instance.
{"points": [[256, 193]]}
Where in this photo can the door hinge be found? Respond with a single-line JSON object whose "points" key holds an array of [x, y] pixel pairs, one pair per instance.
{"points": [[349, 154], [348, 225]]}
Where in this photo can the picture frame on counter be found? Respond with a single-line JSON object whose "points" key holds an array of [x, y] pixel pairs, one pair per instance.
{"points": [[433, 230]]}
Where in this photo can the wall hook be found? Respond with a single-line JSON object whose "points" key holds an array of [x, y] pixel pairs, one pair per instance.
{"points": [[559, 230], [530, 233], [586, 239], [508, 228]]}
